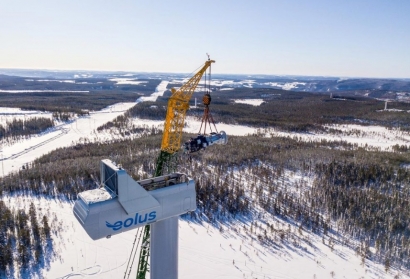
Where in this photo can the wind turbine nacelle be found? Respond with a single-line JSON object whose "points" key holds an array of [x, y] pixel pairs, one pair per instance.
{"points": [[202, 142], [123, 204]]}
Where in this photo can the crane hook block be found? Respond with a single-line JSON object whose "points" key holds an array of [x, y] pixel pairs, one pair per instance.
{"points": [[206, 99]]}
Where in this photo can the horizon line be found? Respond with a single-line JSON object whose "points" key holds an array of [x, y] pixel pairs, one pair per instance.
{"points": [[181, 73]]}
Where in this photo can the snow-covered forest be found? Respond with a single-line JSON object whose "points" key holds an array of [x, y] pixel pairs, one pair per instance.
{"points": [[324, 186]]}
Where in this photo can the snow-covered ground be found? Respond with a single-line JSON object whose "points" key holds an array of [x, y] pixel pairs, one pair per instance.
{"points": [[10, 114], [39, 91], [159, 91], [55, 80], [205, 251], [370, 137], [131, 81], [76, 253], [373, 137], [193, 126], [253, 102], [220, 82], [285, 85], [27, 150]]}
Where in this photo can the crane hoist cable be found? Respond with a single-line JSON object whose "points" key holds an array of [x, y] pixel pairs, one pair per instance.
{"points": [[134, 249], [206, 100]]}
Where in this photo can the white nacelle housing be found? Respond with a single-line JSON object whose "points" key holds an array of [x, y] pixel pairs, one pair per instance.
{"points": [[122, 204], [202, 142]]}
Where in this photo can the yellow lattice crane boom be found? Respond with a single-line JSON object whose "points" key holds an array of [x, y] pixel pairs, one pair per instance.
{"points": [[178, 104]]}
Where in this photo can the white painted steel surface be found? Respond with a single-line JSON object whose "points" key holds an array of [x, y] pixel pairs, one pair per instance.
{"points": [[122, 204], [164, 249]]}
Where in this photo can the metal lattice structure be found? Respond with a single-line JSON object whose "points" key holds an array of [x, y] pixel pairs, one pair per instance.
{"points": [[143, 264]]}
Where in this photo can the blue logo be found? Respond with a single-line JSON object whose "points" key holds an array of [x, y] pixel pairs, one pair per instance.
{"points": [[139, 219]]}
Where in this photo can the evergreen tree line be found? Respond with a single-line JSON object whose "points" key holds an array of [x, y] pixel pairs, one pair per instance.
{"points": [[146, 110], [125, 127], [68, 171], [369, 202], [76, 102], [17, 127], [65, 116], [250, 172], [23, 238], [289, 111], [303, 111], [363, 201], [225, 192]]}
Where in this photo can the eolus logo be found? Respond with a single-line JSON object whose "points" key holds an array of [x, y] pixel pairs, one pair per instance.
{"points": [[138, 219]]}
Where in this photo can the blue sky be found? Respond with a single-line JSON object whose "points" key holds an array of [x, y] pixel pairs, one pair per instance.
{"points": [[319, 37]]}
